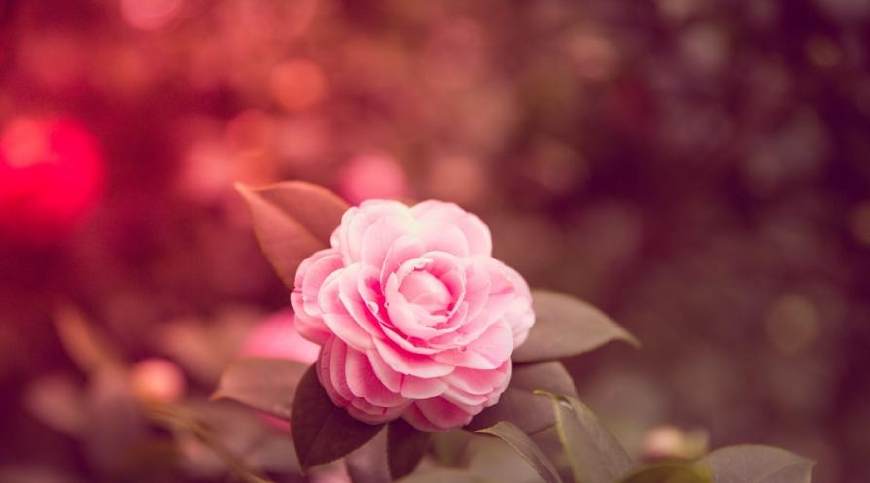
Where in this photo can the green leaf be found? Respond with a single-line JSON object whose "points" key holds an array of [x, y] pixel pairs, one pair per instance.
{"points": [[520, 405], [670, 473], [292, 220], [758, 464], [264, 384], [406, 446], [566, 326], [595, 455], [526, 448], [323, 432], [449, 448]]}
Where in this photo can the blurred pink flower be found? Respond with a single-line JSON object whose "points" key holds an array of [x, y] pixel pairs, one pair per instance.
{"points": [[373, 176], [276, 337], [415, 318]]}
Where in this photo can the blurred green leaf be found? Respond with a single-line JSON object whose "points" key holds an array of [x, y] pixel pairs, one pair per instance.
{"points": [[520, 405], [526, 448], [565, 327], [368, 463], [449, 447], [264, 384], [406, 446], [323, 432], [58, 402], [670, 473], [292, 220], [595, 455], [758, 464], [86, 345]]}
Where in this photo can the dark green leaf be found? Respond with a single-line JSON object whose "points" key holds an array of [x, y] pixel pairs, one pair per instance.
{"points": [[758, 464], [264, 384], [292, 220], [323, 432], [595, 455], [670, 473], [526, 448], [566, 326], [406, 446], [520, 406]]}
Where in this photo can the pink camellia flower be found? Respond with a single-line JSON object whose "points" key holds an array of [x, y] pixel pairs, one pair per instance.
{"points": [[414, 316]]}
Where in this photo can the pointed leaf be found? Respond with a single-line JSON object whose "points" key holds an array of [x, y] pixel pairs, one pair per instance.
{"points": [[526, 448], [88, 346], [406, 446], [264, 384], [758, 464], [520, 405], [323, 432], [566, 326], [670, 473], [595, 455], [292, 220]]}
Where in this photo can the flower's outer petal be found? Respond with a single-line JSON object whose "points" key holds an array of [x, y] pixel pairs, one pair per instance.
{"points": [[420, 388], [312, 328], [474, 230], [330, 372], [479, 381], [348, 236], [512, 298], [309, 279], [380, 237], [363, 382], [438, 414], [489, 351], [347, 329], [388, 376], [369, 413], [339, 369], [444, 238], [353, 303]]}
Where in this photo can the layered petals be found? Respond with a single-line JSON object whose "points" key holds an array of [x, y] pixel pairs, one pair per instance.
{"points": [[414, 316]]}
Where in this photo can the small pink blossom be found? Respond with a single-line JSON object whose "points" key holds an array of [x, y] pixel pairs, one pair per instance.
{"points": [[414, 316]]}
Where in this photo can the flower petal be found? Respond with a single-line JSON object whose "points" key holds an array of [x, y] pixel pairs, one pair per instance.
{"points": [[420, 388], [408, 363], [363, 382], [475, 231], [489, 351]]}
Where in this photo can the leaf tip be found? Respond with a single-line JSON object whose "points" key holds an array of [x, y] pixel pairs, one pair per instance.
{"points": [[632, 340]]}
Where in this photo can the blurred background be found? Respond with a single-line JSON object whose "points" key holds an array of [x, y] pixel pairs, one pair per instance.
{"points": [[697, 168]]}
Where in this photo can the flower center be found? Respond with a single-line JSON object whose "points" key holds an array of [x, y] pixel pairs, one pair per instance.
{"points": [[425, 290]]}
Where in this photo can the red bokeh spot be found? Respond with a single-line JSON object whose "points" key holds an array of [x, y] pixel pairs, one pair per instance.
{"points": [[51, 176]]}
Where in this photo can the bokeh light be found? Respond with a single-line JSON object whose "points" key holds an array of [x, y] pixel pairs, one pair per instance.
{"points": [[51, 175]]}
